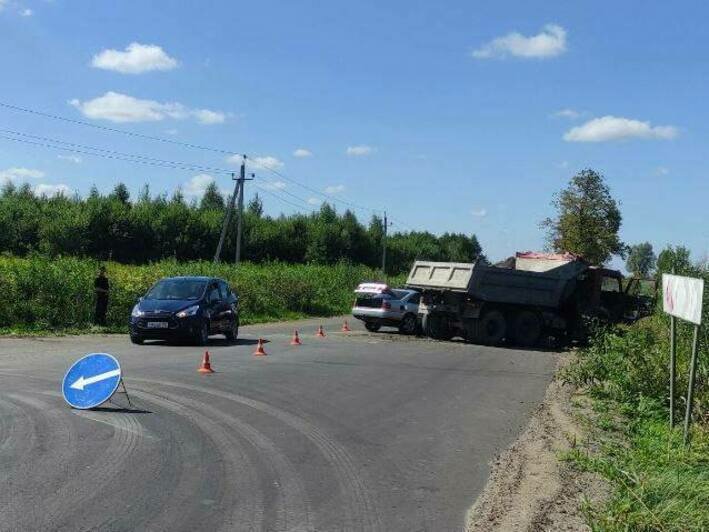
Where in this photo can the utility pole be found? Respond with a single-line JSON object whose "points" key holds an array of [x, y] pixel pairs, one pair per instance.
{"points": [[242, 179], [384, 246], [227, 218]]}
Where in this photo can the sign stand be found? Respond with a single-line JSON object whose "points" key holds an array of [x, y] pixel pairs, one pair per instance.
{"points": [[673, 367], [690, 386], [682, 298]]}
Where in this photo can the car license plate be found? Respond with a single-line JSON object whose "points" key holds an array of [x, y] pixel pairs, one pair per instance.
{"points": [[157, 325]]}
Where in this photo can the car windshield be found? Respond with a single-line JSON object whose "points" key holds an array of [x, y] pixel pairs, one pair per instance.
{"points": [[400, 294], [177, 289]]}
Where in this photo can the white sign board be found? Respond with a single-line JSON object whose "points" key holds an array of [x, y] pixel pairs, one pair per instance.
{"points": [[682, 297]]}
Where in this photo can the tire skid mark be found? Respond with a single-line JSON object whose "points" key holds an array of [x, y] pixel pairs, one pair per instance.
{"points": [[293, 512], [360, 512], [245, 508], [92, 481], [10, 426], [60, 435], [20, 441]]}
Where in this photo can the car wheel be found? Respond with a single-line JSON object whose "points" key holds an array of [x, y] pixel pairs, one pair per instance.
{"points": [[138, 340], [527, 328], [493, 328], [202, 336], [408, 324], [233, 333], [371, 326]]}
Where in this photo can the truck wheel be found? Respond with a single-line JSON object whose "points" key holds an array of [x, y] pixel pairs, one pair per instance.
{"points": [[408, 324], [527, 328], [437, 327], [371, 326], [493, 328]]}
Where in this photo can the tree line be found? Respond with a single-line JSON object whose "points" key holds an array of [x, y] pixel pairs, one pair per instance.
{"points": [[154, 227]]}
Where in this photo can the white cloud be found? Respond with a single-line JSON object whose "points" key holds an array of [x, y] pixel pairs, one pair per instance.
{"points": [[567, 113], [609, 128], [313, 201], [274, 185], [121, 108], [360, 150], [479, 213], [71, 158], [262, 162], [662, 170], [26, 13], [334, 189], [550, 42], [196, 186], [3, 3], [17, 174], [563, 165], [45, 189], [172, 131], [205, 116], [302, 152], [136, 59]]}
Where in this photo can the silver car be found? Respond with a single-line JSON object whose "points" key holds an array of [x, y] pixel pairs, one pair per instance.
{"points": [[376, 304]]}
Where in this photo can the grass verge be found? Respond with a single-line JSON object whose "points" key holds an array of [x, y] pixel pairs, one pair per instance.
{"points": [[657, 484], [42, 295]]}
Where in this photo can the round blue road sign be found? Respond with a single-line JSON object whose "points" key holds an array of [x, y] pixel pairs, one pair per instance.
{"points": [[91, 380]]}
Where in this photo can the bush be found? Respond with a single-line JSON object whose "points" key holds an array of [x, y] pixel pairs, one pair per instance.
{"points": [[41, 293]]}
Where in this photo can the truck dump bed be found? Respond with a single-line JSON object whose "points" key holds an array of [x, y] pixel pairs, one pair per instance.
{"points": [[548, 288]]}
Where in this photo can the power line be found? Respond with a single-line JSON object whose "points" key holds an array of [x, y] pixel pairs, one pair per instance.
{"points": [[167, 164], [116, 130], [117, 153], [173, 164], [180, 143], [315, 191]]}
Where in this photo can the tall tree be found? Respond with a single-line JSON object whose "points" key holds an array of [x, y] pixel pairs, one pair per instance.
{"points": [[212, 198], [588, 219], [674, 259], [255, 206], [641, 259], [120, 193]]}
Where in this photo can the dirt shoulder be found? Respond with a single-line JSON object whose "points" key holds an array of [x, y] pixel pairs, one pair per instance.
{"points": [[529, 487]]}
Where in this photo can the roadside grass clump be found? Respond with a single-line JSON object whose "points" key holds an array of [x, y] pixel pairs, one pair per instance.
{"points": [[657, 483], [42, 294]]}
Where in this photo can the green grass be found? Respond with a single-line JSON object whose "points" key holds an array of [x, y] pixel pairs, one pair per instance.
{"points": [[43, 295], [657, 484]]}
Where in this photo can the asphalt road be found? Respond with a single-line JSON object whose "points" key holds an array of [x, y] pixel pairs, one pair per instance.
{"points": [[354, 431]]}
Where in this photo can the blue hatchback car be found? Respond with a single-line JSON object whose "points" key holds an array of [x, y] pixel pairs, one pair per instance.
{"points": [[186, 308]]}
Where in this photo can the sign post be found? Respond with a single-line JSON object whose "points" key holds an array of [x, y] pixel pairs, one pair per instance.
{"points": [[91, 380], [682, 298]]}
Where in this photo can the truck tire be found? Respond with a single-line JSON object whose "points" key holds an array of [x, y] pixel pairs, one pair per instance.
{"points": [[493, 328], [437, 327], [472, 331], [527, 328]]}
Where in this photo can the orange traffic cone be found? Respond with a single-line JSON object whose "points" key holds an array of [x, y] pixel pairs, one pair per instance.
{"points": [[259, 349], [296, 339], [346, 327], [205, 367], [320, 332]]}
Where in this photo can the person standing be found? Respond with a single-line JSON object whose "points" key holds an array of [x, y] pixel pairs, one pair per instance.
{"points": [[101, 288]]}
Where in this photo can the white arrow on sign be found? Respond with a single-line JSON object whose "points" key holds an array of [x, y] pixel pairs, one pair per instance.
{"points": [[81, 381]]}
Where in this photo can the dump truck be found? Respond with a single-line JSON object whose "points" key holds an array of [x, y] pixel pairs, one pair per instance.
{"points": [[520, 300]]}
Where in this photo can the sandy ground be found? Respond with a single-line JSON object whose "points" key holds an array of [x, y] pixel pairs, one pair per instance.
{"points": [[529, 488]]}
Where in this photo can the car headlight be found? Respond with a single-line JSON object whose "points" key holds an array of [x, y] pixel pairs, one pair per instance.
{"points": [[136, 312], [189, 311]]}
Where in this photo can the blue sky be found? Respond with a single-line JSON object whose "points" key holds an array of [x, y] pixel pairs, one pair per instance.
{"points": [[463, 116]]}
